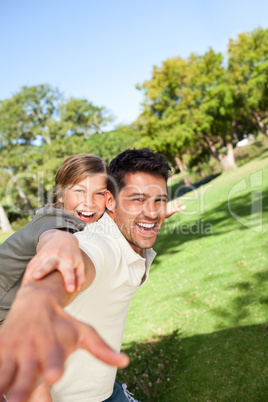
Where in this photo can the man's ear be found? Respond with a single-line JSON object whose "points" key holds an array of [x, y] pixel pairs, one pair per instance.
{"points": [[110, 201]]}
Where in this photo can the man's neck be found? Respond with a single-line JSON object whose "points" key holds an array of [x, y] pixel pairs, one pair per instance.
{"points": [[111, 214]]}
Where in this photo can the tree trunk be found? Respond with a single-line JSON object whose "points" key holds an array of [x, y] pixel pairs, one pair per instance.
{"points": [[22, 195], [46, 136], [181, 165], [227, 161], [261, 125], [4, 222], [97, 124]]}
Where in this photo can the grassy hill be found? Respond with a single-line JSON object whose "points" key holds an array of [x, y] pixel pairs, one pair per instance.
{"points": [[198, 330]]}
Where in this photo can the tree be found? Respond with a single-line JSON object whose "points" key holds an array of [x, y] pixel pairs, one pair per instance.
{"points": [[248, 73], [38, 129], [161, 123], [28, 115], [109, 144], [81, 117], [188, 108]]}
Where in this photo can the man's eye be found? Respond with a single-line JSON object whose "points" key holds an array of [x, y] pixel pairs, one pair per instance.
{"points": [[161, 200], [138, 199], [102, 194]]}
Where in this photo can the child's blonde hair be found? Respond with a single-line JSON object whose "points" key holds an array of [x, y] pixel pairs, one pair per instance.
{"points": [[73, 170]]}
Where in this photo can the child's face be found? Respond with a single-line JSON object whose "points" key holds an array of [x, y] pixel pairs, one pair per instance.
{"points": [[86, 199]]}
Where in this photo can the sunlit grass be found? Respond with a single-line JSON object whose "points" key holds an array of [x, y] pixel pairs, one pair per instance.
{"points": [[4, 236]]}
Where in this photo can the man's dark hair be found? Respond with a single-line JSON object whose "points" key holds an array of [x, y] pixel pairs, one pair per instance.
{"points": [[132, 161]]}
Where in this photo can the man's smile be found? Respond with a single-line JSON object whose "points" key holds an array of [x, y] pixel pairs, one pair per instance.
{"points": [[147, 228]]}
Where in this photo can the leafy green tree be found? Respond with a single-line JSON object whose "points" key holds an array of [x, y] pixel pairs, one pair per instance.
{"points": [[248, 73], [162, 124], [38, 129], [188, 108], [29, 114], [111, 143], [81, 117]]}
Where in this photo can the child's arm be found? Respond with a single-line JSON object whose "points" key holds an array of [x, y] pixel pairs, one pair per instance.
{"points": [[174, 207], [57, 250]]}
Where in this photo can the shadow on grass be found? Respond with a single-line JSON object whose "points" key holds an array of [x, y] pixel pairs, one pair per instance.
{"points": [[250, 293], [178, 190], [229, 365], [238, 307], [241, 212]]}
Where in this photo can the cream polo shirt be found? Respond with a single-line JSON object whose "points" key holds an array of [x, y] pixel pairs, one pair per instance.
{"points": [[120, 271]]}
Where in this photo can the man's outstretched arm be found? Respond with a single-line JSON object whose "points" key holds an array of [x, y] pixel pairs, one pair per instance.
{"points": [[38, 336]]}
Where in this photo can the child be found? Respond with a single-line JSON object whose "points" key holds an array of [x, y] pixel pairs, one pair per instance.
{"points": [[80, 186]]}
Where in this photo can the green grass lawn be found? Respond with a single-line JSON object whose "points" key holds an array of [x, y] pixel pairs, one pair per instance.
{"points": [[197, 331]]}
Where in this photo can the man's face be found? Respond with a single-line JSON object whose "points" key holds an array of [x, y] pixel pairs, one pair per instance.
{"points": [[141, 209]]}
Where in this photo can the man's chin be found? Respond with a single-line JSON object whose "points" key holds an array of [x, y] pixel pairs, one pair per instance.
{"points": [[148, 243]]}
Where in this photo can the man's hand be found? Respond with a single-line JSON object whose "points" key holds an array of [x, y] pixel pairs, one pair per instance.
{"points": [[38, 336], [57, 250], [174, 207]]}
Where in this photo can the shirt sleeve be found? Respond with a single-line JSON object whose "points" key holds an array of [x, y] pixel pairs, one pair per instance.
{"points": [[53, 218], [103, 253]]}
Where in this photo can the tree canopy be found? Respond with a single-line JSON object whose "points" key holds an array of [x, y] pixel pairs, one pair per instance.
{"points": [[38, 130], [206, 103], [194, 109]]}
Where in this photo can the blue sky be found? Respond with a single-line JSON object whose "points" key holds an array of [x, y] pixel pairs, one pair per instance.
{"points": [[101, 49]]}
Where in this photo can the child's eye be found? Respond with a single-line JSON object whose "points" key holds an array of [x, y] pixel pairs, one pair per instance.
{"points": [[79, 190], [102, 194]]}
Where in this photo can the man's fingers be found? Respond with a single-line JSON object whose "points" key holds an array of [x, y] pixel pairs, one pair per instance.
{"points": [[92, 342], [54, 344], [25, 382], [53, 364], [8, 371]]}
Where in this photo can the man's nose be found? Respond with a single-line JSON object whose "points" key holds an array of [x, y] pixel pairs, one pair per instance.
{"points": [[150, 209]]}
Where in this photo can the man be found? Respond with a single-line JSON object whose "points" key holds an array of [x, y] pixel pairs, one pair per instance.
{"points": [[117, 263]]}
